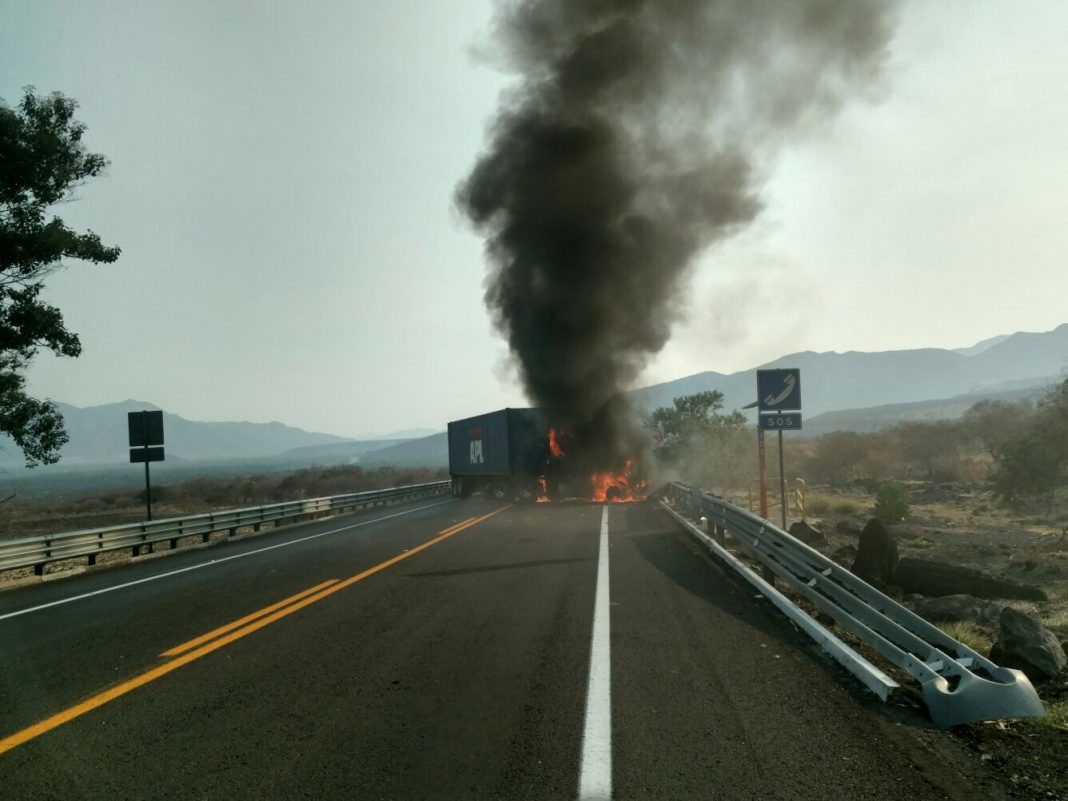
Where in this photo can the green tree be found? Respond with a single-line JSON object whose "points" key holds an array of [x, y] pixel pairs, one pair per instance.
{"points": [[1033, 465], [892, 502], [42, 161], [688, 416], [702, 443]]}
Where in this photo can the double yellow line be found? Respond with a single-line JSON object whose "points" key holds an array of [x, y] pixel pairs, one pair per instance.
{"points": [[224, 635]]}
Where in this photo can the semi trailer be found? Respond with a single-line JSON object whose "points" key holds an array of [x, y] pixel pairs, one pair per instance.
{"points": [[502, 453]]}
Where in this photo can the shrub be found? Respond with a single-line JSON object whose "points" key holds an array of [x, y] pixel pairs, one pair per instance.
{"points": [[846, 508], [971, 634], [892, 502], [817, 504]]}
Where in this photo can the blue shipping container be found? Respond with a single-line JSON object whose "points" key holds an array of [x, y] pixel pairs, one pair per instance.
{"points": [[509, 442]]}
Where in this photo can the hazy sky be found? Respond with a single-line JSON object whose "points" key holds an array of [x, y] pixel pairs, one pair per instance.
{"points": [[281, 185]]}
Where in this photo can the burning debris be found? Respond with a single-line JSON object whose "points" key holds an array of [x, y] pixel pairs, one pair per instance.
{"points": [[637, 136]]}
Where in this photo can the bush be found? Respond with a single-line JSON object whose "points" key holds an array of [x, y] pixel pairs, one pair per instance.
{"points": [[846, 508], [817, 504], [892, 502], [971, 634]]}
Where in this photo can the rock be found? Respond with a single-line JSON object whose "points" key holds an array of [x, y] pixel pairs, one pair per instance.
{"points": [[990, 615], [904, 532], [876, 556], [850, 528], [807, 534], [929, 577], [959, 607], [1027, 645], [845, 555]]}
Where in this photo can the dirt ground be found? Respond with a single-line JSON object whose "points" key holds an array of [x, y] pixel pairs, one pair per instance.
{"points": [[962, 524]]}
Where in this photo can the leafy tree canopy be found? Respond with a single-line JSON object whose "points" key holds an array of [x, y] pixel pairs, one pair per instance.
{"points": [[42, 161], [693, 420]]}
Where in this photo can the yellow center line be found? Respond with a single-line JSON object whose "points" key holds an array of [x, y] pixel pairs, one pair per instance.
{"points": [[211, 635], [69, 714]]}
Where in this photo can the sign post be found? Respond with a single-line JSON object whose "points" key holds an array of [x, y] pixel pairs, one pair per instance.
{"points": [[778, 409], [146, 445], [763, 481]]}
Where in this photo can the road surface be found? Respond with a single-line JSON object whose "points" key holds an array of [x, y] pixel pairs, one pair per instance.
{"points": [[435, 650]]}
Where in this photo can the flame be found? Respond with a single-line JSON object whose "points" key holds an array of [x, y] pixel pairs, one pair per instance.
{"points": [[554, 446], [616, 487], [544, 497]]}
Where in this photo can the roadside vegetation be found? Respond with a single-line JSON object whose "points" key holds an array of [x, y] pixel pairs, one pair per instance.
{"points": [[1019, 451], [202, 495]]}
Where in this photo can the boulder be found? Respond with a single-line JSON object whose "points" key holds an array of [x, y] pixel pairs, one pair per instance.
{"points": [[959, 607], [876, 555], [809, 535], [1027, 645], [845, 556], [928, 577]]}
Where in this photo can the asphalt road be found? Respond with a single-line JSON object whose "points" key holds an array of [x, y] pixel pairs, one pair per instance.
{"points": [[439, 650]]}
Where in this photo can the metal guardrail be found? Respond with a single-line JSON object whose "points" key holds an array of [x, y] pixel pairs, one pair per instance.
{"points": [[37, 552], [959, 685]]}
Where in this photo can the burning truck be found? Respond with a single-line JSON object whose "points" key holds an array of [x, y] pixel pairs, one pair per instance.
{"points": [[516, 453]]}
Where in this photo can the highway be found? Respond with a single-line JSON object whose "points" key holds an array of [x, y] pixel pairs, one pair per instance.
{"points": [[435, 650]]}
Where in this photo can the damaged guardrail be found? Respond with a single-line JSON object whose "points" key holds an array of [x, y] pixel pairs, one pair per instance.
{"points": [[37, 552], [959, 685]]}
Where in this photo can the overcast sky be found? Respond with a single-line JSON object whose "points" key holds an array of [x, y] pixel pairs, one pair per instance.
{"points": [[281, 185]]}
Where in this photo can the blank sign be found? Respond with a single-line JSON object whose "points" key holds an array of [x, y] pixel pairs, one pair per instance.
{"points": [[146, 428], [146, 454]]}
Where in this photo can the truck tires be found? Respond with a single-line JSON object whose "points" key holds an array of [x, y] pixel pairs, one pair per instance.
{"points": [[461, 487], [500, 490]]}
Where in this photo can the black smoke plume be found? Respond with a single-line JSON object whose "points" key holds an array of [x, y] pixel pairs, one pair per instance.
{"points": [[638, 135]]}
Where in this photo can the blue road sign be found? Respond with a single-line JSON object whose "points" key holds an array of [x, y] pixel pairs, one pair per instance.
{"points": [[779, 389], [780, 421]]}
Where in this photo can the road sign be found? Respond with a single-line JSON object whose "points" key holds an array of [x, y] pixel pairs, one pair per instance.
{"points": [[780, 421], [779, 389], [146, 445], [146, 428], [153, 454]]}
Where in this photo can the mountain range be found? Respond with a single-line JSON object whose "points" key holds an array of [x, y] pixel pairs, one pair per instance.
{"points": [[855, 380], [852, 391]]}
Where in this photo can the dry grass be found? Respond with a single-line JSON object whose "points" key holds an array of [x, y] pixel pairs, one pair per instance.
{"points": [[972, 635], [1056, 717]]}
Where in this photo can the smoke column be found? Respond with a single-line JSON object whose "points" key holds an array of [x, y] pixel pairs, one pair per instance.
{"points": [[637, 135]]}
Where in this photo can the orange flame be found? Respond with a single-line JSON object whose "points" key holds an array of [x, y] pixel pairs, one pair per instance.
{"points": [[554, 446], [544, 497], [616, 487]]}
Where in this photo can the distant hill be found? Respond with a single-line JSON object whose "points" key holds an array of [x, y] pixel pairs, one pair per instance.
{"points": [[351, 452], [876, 418], [405, 433], [99, 435], [855, 380], [432, 451], [979, 347]]}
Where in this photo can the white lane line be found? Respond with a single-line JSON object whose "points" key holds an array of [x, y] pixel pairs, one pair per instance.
{"points": [[595, 770], [213, 562]]}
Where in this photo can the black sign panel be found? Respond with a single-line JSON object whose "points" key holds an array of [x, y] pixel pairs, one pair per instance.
{"points": [[146, 428], [780, 421], [146, 454], [778, 389]]}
